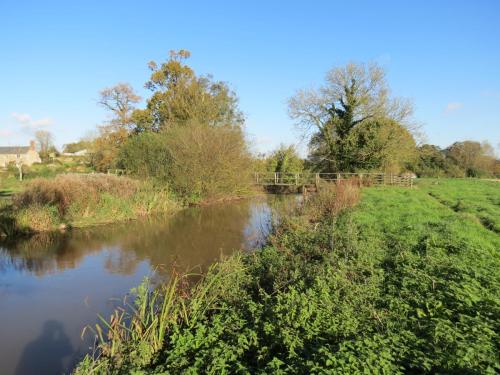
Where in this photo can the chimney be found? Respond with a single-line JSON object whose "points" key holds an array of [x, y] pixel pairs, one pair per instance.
{"points": [[32, 145]]}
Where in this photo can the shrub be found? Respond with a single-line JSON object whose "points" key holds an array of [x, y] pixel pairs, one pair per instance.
{"points": [[146, 155], [208, 162], [65, 190], [334, 198], [199, 161]]}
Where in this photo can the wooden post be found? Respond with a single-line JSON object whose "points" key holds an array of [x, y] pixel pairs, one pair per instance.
{"points": [[317, 180], [338, 176], [296, 178], [276, 178], [361, 179]]}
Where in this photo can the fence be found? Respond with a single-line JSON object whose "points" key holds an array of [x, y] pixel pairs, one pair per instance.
{"points": [[301, 179]]}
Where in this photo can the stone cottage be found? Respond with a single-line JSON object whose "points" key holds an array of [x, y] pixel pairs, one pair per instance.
{"points": [[26, 154]]}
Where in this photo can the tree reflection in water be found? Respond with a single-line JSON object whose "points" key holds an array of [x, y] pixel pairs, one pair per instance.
{"points": [[193, 237]]}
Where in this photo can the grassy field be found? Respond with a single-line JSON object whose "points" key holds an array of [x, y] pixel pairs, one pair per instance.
{"points": [[401, 283], [476, 199]]}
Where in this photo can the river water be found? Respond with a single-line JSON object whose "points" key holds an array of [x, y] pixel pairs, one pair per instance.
{"points": [[51, 286]]}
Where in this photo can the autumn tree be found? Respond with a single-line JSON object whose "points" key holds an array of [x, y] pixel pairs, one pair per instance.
{"points": [[80, 145], [353, 96], [181, 97], [120, 101], [474, 158]]}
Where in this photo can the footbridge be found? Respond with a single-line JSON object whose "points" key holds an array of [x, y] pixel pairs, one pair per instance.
{"points": [[315, 179]]}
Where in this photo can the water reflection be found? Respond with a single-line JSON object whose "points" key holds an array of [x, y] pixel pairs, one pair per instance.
{"points": [[45, 354], [194, 236], [52, 285]]}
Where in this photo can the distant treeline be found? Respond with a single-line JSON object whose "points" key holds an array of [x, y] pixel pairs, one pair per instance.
{"points": [[191, 133], [461, 159]]}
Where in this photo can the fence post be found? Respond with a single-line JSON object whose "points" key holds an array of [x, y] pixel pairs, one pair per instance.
{"points": [[338, 176], [275, 178], [317, 179]]}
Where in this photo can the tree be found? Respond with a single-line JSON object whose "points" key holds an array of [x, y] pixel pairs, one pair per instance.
{"points": [[120, 101], [180, 97], [431, 161], [474, 158], [383, 144], [146, 155], [45, 142], [80, 145], [285, 160], [352, 96]]}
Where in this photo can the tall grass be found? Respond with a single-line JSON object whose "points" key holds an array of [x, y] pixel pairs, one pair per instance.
{"points": [[333, 198], [84, 199], [68, 189], [136, 332]]}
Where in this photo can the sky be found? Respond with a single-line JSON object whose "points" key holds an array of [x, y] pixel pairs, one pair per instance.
{"points": [[55, 56]]}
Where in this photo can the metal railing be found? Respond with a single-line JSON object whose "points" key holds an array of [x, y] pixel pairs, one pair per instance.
{"points": [[307, 178]]}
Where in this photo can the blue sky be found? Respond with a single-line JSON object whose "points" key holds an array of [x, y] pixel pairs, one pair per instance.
{"points": [[56, 56]]}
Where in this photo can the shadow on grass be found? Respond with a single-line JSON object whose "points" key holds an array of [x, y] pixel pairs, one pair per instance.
{"points": [[5, 193]]}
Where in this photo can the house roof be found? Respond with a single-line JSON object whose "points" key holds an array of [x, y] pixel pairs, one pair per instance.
{"points": [[9, 150]]}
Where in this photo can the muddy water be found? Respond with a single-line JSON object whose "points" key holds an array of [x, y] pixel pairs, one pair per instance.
{"points": [[51, 286]]}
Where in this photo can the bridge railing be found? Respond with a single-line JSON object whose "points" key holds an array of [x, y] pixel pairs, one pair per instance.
{"points": [[308, 178]]}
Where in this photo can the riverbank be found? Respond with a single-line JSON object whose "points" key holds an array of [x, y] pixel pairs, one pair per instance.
{"points": [[83, 200], [399, 283], [80, 200]]}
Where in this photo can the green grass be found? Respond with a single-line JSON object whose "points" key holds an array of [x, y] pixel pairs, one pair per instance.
{"points": [[477, 199], [400, 284]]}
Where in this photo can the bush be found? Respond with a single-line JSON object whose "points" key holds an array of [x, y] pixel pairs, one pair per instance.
{"points": [[208, 162], [334, 198], [146, 155], [199, 161], [65, 190]]}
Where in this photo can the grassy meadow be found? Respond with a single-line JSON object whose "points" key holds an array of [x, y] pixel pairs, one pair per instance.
{"points": [[382, 280], [477, 200]]}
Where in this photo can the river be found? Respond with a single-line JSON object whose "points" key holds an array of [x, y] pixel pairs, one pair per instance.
{"points": [[51, 286]]}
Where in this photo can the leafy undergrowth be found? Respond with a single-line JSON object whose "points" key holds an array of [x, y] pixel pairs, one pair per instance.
{"points": [[400, 284], [476, 199]]}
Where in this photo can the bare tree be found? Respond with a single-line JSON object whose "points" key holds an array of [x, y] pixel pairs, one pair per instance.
{"points": [[120, 100], [351, 96], [45, 141]]}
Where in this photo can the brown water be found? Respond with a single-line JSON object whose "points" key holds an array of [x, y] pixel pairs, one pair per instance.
{"points": [[51, 286]]}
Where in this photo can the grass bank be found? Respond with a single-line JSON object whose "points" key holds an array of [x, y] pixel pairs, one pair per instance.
{"points": [[400, 283], [77, 200]]}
